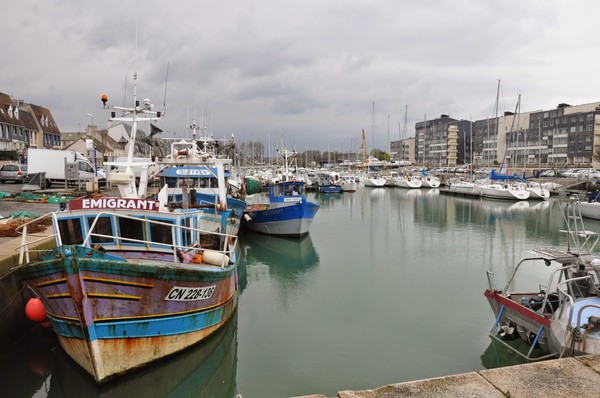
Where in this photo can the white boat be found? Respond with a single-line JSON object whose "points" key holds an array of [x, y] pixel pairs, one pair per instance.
{"points": [[374, 181], [429, 181], [502, 190], [349, 183], [409, 182], [391, 179], [590, 208], [560, 314], [537, 191], [461, 185]]}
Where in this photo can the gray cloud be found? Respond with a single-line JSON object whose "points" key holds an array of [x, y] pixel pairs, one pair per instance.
{"points": [[308, 71]]}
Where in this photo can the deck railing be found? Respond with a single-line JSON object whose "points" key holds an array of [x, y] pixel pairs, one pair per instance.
{"points": [[227, 242]]}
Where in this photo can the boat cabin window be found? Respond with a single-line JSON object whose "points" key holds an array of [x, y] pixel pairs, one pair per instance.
{"points": [[161, 233], [131, 229], [103, 227], [186, 235], [71, 231], [277, 190]]}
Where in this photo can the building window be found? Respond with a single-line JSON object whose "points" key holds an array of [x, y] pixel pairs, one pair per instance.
{"points": [[589, 127]]}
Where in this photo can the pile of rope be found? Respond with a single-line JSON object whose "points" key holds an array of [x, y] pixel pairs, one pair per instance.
{"points": [[41, 198], [9, 224]]}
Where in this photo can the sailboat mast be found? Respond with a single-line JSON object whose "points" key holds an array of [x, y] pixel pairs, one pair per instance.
{"points": [[372, 127], [496, 106], [389, 148]]}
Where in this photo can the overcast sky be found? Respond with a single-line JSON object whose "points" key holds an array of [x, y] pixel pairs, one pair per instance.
{"points": [[305, 71]]}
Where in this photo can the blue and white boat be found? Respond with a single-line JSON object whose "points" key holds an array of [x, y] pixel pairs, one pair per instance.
{"points": [[326, 183], [288, 213], [190, 180], [131, 280]]}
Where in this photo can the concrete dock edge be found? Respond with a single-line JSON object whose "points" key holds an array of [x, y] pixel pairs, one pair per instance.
{"points": [[568, 377]]}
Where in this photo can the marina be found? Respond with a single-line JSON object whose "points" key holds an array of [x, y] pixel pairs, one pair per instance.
{"points": [[380, 307]]}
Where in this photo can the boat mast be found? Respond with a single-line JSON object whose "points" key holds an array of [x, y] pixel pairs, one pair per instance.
{"points": [[496, 122], [372, 127]]}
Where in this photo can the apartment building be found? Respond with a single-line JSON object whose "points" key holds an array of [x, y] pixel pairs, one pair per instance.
{"points": [[442, 141]]}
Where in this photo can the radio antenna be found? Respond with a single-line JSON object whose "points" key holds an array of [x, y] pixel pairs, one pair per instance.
{"points": [[125, 91], [165, 99]]}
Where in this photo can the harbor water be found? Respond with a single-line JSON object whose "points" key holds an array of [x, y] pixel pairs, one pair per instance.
{"points": [[387, 287]]}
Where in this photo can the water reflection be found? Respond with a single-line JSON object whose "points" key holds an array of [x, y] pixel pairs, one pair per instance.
{"points": [[327, 199], [282, 255], [38, 367], [377, 193], [205, 370], [497, 356], [27, 367]]}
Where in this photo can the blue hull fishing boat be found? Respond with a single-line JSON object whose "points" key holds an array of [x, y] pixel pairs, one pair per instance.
{"points": [[190, 179], [130, 280], [288, 213], [327, 184]]}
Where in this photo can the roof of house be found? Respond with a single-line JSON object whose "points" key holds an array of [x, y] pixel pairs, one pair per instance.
{"points": [[7, 102], [42, 113]]}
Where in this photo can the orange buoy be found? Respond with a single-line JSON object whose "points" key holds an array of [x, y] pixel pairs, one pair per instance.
{"points": [[35, 310], [197, 259]]}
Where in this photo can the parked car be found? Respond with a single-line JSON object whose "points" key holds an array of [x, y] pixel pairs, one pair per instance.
{"points": [[13, 172], [588, 174], [570, 173], [548, 173]]}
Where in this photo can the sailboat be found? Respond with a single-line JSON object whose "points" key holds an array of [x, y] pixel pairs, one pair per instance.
{"points": [[500, 185]]}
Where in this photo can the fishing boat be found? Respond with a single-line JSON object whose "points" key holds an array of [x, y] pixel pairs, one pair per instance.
{"points": [[130, 280], [326, 183], [287, 213], [190, 178], [561, 314]]}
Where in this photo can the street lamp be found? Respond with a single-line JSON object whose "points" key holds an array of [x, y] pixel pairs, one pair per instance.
{"points": [[92, 122]]}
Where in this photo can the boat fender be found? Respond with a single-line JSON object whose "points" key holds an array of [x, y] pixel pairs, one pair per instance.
{"points": [[184, 257], [215, 258], [35, 310], [247, 218]]}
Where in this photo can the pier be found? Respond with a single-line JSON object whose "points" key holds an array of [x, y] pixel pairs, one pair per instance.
{"points": [[565, 378]]}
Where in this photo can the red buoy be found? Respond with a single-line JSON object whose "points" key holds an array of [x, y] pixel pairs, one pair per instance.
{"points": [[35, 310]]}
